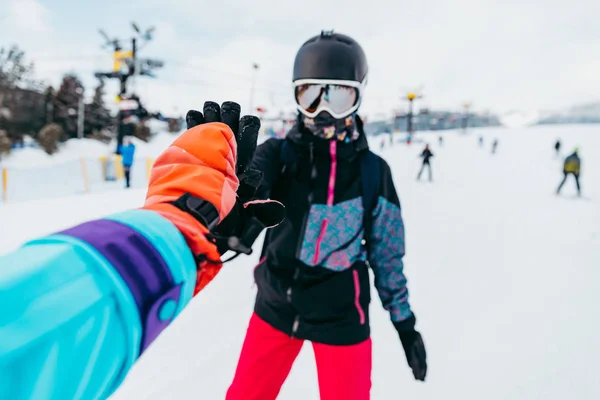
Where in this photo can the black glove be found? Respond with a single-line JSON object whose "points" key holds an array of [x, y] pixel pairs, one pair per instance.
{"points": [[250, 216], [414, 348]]}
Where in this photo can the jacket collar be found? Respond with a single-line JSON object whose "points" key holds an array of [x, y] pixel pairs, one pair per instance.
{"points": [[303, 138]]}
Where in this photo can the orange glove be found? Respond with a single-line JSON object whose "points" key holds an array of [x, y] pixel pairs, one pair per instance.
{"points": [[193, 183]]}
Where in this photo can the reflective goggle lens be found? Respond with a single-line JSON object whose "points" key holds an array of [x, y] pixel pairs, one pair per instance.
{"points": [[338, 98]]}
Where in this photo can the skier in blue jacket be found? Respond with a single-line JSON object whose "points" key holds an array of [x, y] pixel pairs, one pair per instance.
{"points": [[127, 150]]}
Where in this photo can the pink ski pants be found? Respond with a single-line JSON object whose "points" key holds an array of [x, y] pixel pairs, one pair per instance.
{"points": [[267, 356]]}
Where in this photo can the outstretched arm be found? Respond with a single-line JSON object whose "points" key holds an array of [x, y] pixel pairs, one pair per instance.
{"points": [[80, 306]]}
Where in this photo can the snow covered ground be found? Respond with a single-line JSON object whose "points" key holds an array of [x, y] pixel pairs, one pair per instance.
{"points": [[75, 149], [503, 277], [32, 174]]}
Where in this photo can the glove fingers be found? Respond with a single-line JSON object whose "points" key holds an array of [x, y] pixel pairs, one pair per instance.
{"points": [[212, 112], [248, 135], [419, 370], [193, 118], [230, 115], [419, 359]]}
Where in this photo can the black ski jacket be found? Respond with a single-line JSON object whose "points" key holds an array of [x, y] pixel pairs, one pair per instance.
{"points": [[313, 278], [426, 155]]}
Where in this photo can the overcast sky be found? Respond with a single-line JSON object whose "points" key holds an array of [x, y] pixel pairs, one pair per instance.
{"points": [[498, 55]]}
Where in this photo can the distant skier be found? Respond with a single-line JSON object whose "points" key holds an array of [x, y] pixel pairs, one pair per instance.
{"points": [[426, 156], [441, 140], [557, 147], [480, 141], [127, 151], [571, 166], [494, 146]]}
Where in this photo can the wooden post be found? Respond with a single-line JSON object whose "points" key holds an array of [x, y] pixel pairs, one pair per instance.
{"points": [[86, 183], [119, 172], [103, 164], [4, 184], [148, 167]]}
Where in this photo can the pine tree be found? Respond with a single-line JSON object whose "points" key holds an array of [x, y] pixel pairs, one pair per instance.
{"points": [[20, 100], [97, 116], [49, 113], [66, 104], [13, 68]]}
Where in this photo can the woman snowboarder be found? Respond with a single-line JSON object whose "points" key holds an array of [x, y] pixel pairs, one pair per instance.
{"points": [[313, 280]]}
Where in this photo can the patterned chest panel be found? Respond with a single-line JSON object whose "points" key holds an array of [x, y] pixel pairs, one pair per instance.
{"points": [[333, 235]]}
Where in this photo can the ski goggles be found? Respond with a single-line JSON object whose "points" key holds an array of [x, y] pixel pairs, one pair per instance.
{"points": [[338, 98]]}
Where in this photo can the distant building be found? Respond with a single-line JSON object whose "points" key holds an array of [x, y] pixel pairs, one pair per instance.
{"points": [[581, 114], [429, 120]]}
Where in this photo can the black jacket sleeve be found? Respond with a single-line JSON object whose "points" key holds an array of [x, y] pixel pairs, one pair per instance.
{"points": [[267, 159]]}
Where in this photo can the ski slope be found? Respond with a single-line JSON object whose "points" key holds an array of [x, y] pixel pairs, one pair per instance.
{"points": [[503, 276]]}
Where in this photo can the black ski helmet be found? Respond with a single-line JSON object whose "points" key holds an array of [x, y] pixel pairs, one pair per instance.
{"points": [[331, 56]]}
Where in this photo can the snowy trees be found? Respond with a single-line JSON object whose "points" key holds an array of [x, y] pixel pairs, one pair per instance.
{"points": [[97, 116], [14, 71], [21, 105], [67, 101], [66, 104], [27, 106]]}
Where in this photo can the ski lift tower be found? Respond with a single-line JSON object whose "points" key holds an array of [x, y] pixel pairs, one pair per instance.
{"points": [[465, 119], [411, 97], [127, 64]]}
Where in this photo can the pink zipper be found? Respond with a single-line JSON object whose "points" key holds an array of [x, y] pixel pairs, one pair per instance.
{"points": [[320, 239], [330, 197], [262, 260], [332, 172], [361, 313]]}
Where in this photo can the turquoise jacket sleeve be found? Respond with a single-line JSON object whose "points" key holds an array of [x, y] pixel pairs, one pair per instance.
{"points": [[79, 307]]}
